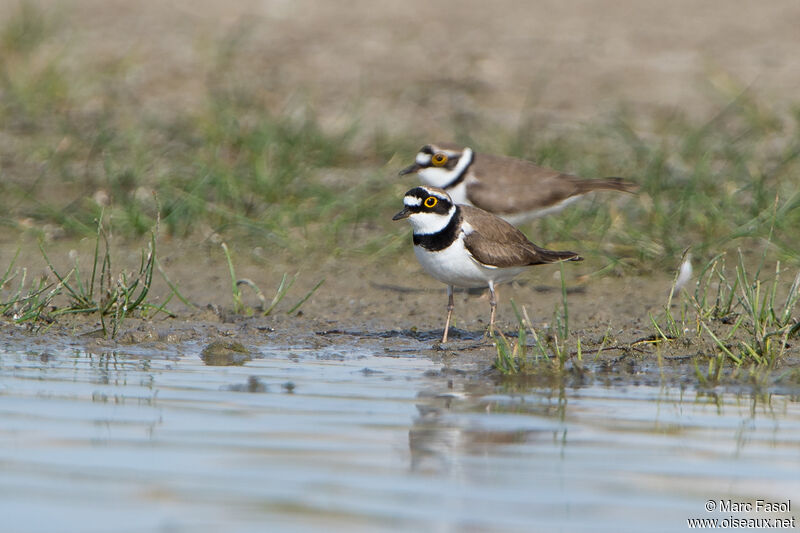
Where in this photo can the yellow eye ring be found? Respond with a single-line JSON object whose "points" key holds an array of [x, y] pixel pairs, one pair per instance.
{"points": [[439, 159], [431, 201]]}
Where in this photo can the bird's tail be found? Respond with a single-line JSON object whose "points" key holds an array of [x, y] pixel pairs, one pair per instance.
{"points": [[609, 184], [553, 256]]}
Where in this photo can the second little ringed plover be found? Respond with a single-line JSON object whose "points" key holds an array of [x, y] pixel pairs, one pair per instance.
{"points": [[513, 189], [463, 246]]}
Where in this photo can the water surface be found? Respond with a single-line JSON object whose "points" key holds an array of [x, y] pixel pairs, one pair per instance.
{"points": [[353, 439]]}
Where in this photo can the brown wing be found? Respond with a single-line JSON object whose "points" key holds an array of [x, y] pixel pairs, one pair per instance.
{"points": [[515, 185], [495, 242]]}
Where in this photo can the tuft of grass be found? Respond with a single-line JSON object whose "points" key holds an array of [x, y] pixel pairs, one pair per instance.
{"points": [[769, 322], [714, 297], [558, 340], [281, 291], [759, 325], [551, 354], [740, 318], [110, 294], [113, 296], [30, 301], [511, 358]]}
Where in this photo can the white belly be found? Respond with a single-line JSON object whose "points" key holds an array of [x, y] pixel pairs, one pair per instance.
{"points": [[455, 266]]}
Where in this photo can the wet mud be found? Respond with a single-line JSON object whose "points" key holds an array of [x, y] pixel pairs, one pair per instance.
{"points": [[556, 66], [395, 309]]}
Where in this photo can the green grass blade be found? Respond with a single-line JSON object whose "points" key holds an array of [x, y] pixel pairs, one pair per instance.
{"points": [[306, 297]]}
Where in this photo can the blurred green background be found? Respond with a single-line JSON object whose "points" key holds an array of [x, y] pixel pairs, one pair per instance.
{"points": [[284, 123]]}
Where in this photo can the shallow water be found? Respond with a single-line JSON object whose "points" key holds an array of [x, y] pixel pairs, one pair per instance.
{"points": [[352, 439]]}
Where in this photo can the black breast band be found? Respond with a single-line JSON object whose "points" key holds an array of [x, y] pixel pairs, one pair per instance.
{"points": [[443, 238]]}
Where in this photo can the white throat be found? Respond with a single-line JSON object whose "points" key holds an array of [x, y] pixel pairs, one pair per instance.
{"points": [[458, 193], [428, 223]]}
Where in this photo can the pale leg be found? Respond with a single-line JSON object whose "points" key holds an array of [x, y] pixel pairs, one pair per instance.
{"points": [[450, 306], [493, 303]]}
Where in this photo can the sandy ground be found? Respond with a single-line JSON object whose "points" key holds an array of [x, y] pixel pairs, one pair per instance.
{"points": [[413, 65], [409, 67]]}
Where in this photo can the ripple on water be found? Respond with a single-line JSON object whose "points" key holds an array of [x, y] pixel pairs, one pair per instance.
{"points": [[350, 439]]}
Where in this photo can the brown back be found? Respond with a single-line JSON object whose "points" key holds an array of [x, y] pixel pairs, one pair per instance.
{"points": [[495, 242], [510, 185]]}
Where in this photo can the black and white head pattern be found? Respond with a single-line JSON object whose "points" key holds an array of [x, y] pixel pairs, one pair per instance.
{"points": [[439, 167]]}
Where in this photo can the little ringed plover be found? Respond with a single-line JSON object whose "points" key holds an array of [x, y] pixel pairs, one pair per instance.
{"points": [[513, 189], [464, 246]]}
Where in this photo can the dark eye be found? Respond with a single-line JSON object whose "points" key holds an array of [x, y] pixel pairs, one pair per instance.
{"points": [[431, 201], [438, 159]]}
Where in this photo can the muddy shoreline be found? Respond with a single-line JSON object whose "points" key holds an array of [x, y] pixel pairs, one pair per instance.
{"points": [[397, 310], [406, 80]]}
